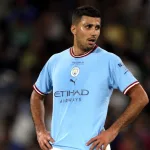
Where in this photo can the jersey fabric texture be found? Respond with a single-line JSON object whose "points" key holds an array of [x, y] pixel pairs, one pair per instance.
{"points": [[82, 87]]}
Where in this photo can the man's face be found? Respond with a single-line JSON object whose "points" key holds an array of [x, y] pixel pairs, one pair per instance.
{"points": [[86, 32]]}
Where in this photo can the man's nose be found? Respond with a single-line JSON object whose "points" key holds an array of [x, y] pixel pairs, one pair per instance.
{"points": [[94, 32]]}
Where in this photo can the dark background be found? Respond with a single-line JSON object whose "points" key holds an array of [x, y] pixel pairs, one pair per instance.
{"points": [[31, 31]]}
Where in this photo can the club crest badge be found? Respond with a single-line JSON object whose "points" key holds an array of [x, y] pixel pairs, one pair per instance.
{"points": [[75, 71]]}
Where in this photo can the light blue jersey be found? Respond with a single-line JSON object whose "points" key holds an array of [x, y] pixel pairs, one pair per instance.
{"points": [[82, 87]]}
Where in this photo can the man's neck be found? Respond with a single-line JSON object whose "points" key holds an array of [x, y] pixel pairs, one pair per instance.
{"points": [[77, 51]]}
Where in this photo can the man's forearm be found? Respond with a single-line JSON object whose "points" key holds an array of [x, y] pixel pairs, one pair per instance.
{"points": [[138, 101], [38, 111], [127, 117]]}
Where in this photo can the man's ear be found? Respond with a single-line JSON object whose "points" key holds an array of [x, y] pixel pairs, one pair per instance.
{"points": [[73, 29]]}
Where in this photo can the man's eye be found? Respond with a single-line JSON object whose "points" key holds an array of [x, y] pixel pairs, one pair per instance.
{"points": [[97, 27], [88, 26]]}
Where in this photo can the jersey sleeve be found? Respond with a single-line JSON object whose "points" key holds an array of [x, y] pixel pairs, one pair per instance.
{"points": [[43, 84], [120, 77]]}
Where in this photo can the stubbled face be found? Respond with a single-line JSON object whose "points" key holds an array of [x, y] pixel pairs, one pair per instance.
{"points": [[86, 32]]}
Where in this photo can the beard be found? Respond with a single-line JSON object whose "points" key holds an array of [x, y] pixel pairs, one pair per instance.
{"points": [[85, 47]]}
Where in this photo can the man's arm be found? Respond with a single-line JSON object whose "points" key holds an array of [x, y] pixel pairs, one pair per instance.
{"points": [[38, 112], [138, 100]]}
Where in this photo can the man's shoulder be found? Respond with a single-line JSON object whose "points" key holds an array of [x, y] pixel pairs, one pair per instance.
{"points": [[63, 52], [107, 54], [60, 54]]}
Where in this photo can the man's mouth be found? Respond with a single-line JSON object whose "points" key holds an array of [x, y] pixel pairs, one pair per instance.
{"points": [[91, 41]]}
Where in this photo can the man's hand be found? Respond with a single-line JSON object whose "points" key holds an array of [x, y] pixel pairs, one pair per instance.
{"points": [[101, 141], [44, 140]]}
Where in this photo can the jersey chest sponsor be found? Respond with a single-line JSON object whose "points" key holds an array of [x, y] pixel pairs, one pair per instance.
{"points": [[67, 93]]}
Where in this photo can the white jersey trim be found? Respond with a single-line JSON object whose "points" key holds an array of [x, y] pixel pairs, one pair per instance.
{"points": [[130, 86], [37, 90]]}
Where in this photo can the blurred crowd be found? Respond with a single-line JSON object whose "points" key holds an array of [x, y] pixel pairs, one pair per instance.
{"points": [[32, 30]]}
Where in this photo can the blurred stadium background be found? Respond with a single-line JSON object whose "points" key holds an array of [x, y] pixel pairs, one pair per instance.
{"points": [[32, 30]]}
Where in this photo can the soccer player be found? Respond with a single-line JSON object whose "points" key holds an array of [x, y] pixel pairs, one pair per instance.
{"points": [[82, 79]]}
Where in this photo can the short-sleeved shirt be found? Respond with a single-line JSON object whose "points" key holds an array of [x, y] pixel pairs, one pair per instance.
{"points": [[82, 87]]}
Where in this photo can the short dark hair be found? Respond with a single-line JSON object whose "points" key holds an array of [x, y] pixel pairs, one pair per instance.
{"points": [[85, 11]]}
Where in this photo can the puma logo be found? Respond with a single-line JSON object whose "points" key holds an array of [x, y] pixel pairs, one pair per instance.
{"points": [[71, 80]]}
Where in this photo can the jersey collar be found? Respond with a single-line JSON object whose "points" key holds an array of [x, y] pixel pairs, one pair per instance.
{"points": [[83, 55]]}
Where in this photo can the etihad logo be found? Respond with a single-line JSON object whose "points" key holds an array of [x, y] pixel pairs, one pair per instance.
{"points": [[82, 92]]}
